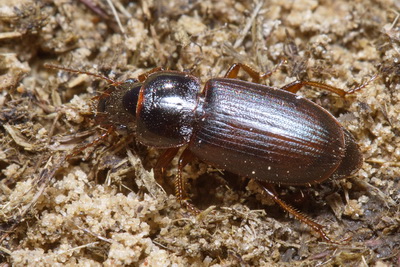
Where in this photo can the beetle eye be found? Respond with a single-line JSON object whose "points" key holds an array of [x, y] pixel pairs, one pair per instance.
{"points": [[130, 98]]}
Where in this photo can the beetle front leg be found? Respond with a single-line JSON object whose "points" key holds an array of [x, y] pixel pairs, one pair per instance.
{"points": [[180, 192], [95, 142], [162, 163]]}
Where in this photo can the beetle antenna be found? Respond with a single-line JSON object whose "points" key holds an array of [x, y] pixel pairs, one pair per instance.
{"points": [[56, 67]]}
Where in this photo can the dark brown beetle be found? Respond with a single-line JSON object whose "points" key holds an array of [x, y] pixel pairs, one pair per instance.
{"points": [[267, 134]]}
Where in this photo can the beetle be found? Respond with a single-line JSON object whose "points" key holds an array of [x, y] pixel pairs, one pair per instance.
{"points": [[268, 134]]}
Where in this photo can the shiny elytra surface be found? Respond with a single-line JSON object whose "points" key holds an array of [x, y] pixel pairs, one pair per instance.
{"points": [[266, 134]]}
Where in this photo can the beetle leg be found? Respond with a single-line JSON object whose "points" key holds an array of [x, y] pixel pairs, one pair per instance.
{"points": [[270, 190], [162, 163], [297, 85], [104, 94], [180, 193], [255, 75], [93, 143], [234, 70], [165, 159], [142, 77]]}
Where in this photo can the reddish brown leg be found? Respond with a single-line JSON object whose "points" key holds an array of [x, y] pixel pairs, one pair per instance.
{"points": [[93, 143], [270, 190], [255, 75], [165, 159], [104, 94], [295, 86], [142, 77], [180, 193], [162, 163]]}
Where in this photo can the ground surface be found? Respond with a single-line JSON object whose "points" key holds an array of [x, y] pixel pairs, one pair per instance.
{"points": [[103, 205]]}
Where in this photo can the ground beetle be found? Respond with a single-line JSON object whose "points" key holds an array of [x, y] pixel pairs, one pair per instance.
{"points": [[264, 133]]}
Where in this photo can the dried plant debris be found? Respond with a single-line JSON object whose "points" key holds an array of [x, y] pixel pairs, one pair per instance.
{"points": [[103, 206]]}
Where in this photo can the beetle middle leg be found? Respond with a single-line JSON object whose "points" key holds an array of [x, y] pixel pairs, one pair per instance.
{"points": [[270, 190]]}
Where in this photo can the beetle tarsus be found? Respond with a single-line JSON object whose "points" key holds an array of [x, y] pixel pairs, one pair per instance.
{"points": [[190, 207], [363, 85], [180, 192]]}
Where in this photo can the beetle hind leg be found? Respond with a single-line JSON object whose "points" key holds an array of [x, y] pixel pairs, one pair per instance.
{"points": [[270, 190], [144, 76], [295, 86], [255, 75]]}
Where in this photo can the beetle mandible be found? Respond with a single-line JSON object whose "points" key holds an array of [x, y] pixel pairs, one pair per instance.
{"points": [[270, 135]]}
